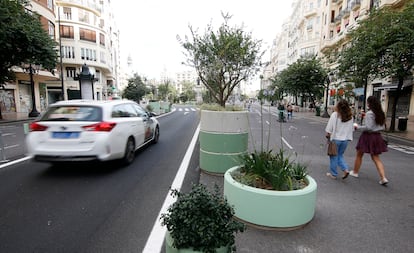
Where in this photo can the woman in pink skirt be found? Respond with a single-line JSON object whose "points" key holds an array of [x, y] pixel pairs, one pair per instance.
{"points": [[371, 141]]}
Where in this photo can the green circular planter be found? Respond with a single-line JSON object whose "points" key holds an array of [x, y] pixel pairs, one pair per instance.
{"points": [[170, 249], [268, 208], [223, 138]]}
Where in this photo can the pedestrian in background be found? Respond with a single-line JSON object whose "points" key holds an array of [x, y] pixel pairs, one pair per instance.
{"points": [[371, 140], [289, 112], [340, 130]]}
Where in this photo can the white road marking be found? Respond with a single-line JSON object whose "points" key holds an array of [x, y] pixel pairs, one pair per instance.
{"points": [[402, 148], [15, 161], [12, 146], [8, 134], [287, 143], [156, 238]]}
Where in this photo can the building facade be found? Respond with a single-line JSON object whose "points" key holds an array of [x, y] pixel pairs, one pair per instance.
{"points": [[86, 34], [317, 26]]}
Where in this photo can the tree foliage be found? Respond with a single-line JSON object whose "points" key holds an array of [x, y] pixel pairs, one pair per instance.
{"points": [[136, 89], [165, 90], [306, 77], [382, 46], [188, 93], [223, 58], [23, 40]]}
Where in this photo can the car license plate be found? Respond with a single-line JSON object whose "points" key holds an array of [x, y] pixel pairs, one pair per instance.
{"points": [[65, 135]]}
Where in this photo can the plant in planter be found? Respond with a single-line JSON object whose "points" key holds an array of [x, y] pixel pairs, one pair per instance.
{"points": [[271, 191], [200, 221], [267, 170]]}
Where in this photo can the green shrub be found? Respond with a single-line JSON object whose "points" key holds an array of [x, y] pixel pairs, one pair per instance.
{"points": [[270, 170], [201, 220], [150, 108]]}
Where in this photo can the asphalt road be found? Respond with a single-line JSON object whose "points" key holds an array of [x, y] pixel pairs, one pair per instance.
{"points": [[11, 141], [93, 208]]}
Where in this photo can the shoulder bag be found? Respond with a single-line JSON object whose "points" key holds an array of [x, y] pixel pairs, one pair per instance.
{"points": [[332, 148]]}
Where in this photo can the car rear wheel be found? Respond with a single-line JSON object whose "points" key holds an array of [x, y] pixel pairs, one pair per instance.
{"points": [[156, 135], [129, 155]]}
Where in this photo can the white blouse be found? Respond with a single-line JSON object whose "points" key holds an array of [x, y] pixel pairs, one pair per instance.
{"points": [[341, 131], [370, 124]]}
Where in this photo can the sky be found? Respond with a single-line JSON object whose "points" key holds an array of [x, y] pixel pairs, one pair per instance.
{"points": [[149, 28]]}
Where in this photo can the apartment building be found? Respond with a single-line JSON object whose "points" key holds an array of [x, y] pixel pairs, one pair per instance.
{"points": [[87, 35], [317, 26]]}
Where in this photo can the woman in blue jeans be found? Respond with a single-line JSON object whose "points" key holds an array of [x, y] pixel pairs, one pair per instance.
{"points": [[340, 129]]}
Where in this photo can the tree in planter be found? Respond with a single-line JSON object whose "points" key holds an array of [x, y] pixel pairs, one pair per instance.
{"points": [[223, 58], [23, 40], [201, 220], [384, 43]]}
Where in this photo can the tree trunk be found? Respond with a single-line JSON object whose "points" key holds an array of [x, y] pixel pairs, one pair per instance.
{"points": [[364, 103], [394, 105]]}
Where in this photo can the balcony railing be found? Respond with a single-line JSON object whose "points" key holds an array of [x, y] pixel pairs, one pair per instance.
{"points": [[355, 4], [86, 3], [338, 18]]}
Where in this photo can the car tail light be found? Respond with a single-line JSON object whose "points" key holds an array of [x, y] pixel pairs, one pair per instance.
{"points": [[100, 127], [36, 127]]}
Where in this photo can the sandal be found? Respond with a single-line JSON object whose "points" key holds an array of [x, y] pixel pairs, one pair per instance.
{"points": [[330, 175], [346, 174]]}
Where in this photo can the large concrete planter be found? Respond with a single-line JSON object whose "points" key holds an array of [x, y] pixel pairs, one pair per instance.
{"points": [[170, 249], [268, 208], [223, 138]]}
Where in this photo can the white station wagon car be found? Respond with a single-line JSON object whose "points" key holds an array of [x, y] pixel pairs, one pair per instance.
{"points": [[85, 130]]}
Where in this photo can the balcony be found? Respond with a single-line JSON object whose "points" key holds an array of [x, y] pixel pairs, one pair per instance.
{"points": [[338, 18], [355, 4], [311, 12], [86, 3], [345, 12]]}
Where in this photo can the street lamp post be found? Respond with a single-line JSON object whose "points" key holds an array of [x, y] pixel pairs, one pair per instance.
{"points": [[328, 81], [261, 107], [33, 113]]}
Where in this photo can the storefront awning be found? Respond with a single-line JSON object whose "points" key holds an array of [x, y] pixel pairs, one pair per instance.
{"points": [[391, 86], [358, 91]]}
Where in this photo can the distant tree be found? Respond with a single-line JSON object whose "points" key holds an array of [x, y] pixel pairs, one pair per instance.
{"points": [[188, 90], [165, 89], [306, 77], [136, 89], [23, 40], [385, 37], [223, 58]]}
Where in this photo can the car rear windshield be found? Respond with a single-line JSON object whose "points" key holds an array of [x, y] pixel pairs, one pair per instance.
{"points": [[73, 113]]}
